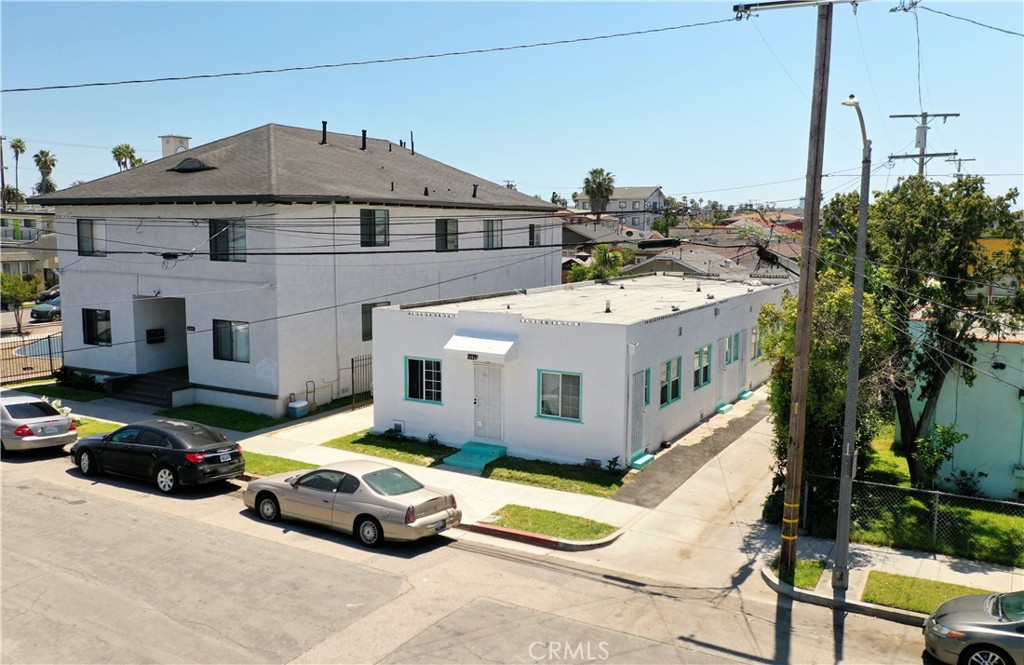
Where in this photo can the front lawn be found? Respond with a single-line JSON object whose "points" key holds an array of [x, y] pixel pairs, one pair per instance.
{"points": [[911, 593], [222, 417], [574, 478], [397, 448], [806, 575], [53, 391], [267, 465], [92, 426]]}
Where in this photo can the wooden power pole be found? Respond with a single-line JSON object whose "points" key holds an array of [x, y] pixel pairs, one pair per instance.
{"points": [[921, 142]]}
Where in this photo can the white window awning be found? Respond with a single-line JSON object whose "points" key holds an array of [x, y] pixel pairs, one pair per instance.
{"points": [[482, 346]]}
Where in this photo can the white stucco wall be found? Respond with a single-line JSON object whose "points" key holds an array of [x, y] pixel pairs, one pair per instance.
{"points": [[598, 352]]}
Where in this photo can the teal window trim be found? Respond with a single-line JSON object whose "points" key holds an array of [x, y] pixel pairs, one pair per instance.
{"points": [[737, 346], [647, 386], [755, 343], [425, 384], [671, 381], [732, 348], [561, 396], [702, 367]]}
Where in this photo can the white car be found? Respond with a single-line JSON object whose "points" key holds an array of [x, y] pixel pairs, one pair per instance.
{"points": [[28, 422]]}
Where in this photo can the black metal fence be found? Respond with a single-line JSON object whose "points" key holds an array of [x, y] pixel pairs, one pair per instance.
{"points": [[362, 380], [30, 357], [924, 520]]}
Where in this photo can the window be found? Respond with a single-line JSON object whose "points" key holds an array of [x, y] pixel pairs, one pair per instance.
{"points": [[635, 220], [647, 386], [702, 366], [559, 395], [534, 236], [374, 228], [324, 481], [622, 205], [446, 233], [755, 343], [231, 340], [732, 348], [96, 326], [737, 346], [492, 234], [227, 240], [423, 379], [670, 384], [92, 238], [368, 318], [636, 205]]}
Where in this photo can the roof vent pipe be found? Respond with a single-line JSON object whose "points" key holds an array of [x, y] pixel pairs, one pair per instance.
{"points": [[426, 191], [412, 143], [474, 191], [323, 140], [364, 140]]}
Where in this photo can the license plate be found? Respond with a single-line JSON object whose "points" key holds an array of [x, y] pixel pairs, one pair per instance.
{"points": [[441, 525], [225, 458], [50, 430]]}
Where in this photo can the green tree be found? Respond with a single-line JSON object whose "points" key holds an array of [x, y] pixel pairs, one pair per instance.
{"points": [[136, 162], [123, 155], [15, 290], [46, 162], [13, 195], [826, 386], [605, 263], [925, 238], [663, 224], [18, 148], [599, 185], [559, 200]]}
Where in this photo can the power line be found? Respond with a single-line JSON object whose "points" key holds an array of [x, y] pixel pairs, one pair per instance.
{"points": [[961, 18], [378, 61]]}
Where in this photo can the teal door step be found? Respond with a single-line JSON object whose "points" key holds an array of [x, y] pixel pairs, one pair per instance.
{"points": [[640, 461], [723, 408], [475, 455], [746, 394]]}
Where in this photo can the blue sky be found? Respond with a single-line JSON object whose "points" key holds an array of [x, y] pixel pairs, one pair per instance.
{"points": [[711, 112]]}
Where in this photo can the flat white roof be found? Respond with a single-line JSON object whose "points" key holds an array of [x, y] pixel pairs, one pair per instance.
{"points": [[629, 299]]}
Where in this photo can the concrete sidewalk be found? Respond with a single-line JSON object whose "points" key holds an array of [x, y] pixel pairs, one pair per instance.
{"points": [[706, 534]]}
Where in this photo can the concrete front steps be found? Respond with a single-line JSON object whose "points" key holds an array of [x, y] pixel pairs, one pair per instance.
{"points": [[475, 455]]}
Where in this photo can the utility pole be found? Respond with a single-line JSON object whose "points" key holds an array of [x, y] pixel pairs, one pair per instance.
{"points": [[808, 268], [921, 143], [3, 173], [959, 162]]}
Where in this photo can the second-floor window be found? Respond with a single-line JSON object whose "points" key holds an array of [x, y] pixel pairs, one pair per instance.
{"points": [[92, 239], [636, 205], [367, 311], [534, 236], [374, 228], [446, 232], [492, 234], [227, 240]]}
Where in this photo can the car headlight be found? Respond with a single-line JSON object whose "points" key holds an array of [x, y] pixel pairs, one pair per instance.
{"points": [[947, 632]]}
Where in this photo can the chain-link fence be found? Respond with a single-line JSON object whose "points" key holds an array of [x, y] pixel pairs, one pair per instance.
{"points": [[927, 521]]}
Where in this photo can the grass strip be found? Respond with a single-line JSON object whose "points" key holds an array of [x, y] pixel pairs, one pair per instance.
{"points": [[92, 426], [222, 417], [54, 391], [267, 465], [807, 574], [551, 523], [399, 449], [911, 593]]}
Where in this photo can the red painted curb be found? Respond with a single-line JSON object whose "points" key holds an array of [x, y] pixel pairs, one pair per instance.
{"points": [[515, 534]]}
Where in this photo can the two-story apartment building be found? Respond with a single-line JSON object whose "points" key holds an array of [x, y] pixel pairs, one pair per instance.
{"points": [[253, 262], [636, 207]]}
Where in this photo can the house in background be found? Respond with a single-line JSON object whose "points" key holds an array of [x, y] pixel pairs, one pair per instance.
{"points": [[28, 245], [636, 207], [580, 373], [246, 269]]}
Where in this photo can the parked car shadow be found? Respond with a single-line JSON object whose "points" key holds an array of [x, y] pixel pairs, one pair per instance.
{"points": [[390, 548], [29, 456], [183, 493]]}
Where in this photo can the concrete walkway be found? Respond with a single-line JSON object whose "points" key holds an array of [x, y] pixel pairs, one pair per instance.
{"points": [[706, 534]]}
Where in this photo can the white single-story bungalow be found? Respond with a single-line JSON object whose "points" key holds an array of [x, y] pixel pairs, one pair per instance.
{"points": [[578, 373]]}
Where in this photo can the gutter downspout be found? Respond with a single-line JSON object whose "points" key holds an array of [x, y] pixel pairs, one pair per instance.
{"points": [[337, 335], [631, 348]]}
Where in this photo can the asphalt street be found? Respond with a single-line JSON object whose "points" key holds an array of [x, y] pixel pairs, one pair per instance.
{"points": [[107, 570]]}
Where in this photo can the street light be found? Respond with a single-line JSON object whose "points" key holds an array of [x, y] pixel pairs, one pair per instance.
{"points": [[841, 570]]}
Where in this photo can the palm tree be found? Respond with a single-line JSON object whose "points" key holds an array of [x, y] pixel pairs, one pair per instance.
{"points": [[599, 186], [136, 161], [606, 263], [12, 194], [123, 155], [18, 148], [46, 162]]}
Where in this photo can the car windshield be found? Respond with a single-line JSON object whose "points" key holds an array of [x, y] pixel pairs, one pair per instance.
{"points": [[27, 410], [1011, 606], [391, 482]]}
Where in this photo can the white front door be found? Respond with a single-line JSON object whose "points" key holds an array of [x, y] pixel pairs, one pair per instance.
{"points": [[636, 415], [487, 403]]}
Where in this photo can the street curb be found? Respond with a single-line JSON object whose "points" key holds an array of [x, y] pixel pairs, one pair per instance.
{"points": [[904, 617], [539, 539]]}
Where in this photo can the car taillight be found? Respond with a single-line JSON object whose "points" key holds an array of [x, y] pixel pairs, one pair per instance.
{"points": [[455, 504], [195, 458], [74, 426], [410, 515], [25, 430]]}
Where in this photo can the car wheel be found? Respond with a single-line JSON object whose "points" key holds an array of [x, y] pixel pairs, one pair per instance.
{"points": [[369, 532], [56, 317], [984, 655], [87, 463], [267, 507], [166, 479]]}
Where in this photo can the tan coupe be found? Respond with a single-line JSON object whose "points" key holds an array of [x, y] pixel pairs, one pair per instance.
{"points": [[374, 501]]}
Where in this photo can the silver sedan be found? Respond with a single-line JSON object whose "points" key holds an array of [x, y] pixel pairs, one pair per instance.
{"points": [[374, 501], [983, 629], [28, 422]]}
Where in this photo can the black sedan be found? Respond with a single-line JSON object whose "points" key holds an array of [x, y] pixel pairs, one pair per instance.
{"points": [[170, 452]]}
